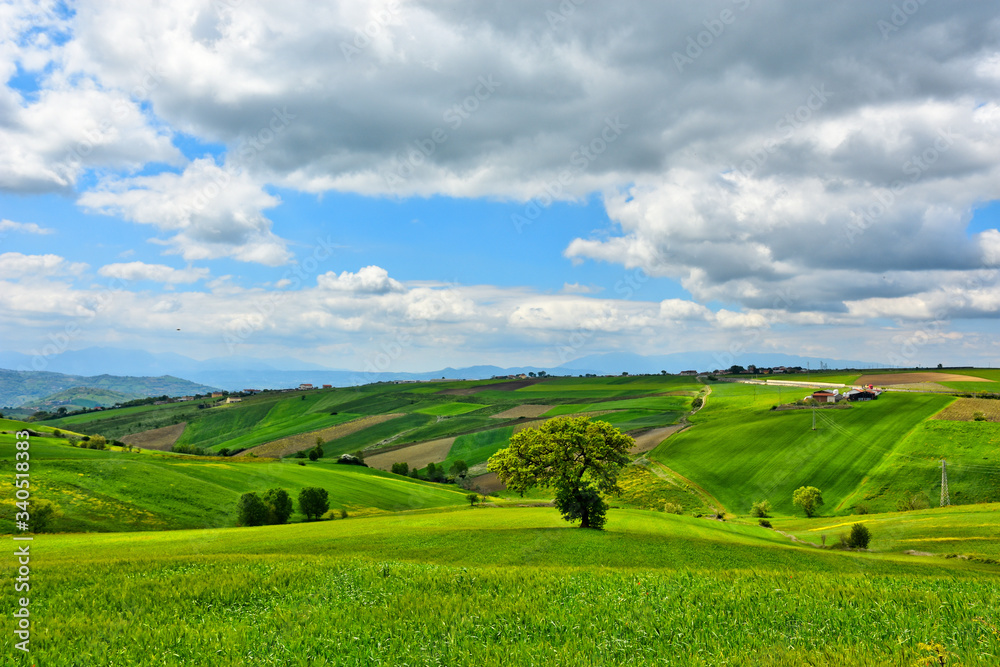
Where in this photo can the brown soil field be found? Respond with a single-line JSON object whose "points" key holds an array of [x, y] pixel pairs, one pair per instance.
{"points": [[523, 411], [964, 409], [910, 378], [500, 386], [160, 439], [650, 439], [418, 455], [488, 483], [303, 441]]}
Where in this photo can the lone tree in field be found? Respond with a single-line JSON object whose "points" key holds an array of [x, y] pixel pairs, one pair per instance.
{"points": [[252, 510], [578, 458], [313, 502], [279, 505], [809, 498]]}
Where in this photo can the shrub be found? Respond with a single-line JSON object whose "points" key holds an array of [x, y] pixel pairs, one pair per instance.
{"points": [[696, 403], [329, 515], [910, 502], [43, 513], [313, 502], [401, 468], [57, 433], [860, 536], [764, 523], [761, 509], [673, 508], [252, 510], [300, 455], [978, 417], [862, 508], [343, 513], [313, 455], [473, 498]]}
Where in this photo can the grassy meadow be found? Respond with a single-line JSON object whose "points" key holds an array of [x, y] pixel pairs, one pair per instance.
{"points": [[147, 568]]}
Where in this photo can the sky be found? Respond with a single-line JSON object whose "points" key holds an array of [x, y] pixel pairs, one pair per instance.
{"points": [[404, 185]]}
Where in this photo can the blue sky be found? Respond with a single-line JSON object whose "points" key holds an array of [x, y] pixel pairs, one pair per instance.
{"points": [[499, 186]]}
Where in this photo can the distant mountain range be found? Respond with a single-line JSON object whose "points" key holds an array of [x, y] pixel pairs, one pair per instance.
{"points": [[238, 372], [31, 388]]}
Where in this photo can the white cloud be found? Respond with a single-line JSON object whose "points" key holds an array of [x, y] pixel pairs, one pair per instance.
{"points": [[23, 227], [368, 280], [15, 265], [212, 211], [160, 273]]}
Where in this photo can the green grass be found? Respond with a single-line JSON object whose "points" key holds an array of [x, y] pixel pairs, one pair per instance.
{"points": [[478, 447], [967, 530], [972, 450], [740, 451], [450, 409], [496, 586], [656, 403], [115, 491]]}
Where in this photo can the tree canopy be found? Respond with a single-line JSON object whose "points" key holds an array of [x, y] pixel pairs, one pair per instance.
{"points": [[576, 457], [809, 498]]}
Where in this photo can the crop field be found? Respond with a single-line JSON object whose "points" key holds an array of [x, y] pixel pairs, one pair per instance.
{"points": [[741, 452], [407, 589], [526, 410], [450, 409], [114, 491], [162, 438], [416, 456], [972, 450], [965, 410], [347, 425]]}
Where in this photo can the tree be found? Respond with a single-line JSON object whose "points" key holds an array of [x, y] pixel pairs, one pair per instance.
{"points": [[459, 468], [313, 454], [401, 468], [473, 498], [580, 459], [313, 502], [809, 498], [279, 505], [252, 510], [860, 536]]}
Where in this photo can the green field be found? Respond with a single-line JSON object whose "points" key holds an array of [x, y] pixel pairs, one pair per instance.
{"points": [[740, 451], [499, 586], [450, 409]]}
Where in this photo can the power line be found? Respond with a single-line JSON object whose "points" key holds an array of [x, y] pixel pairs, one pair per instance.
{"points": [[945, 498]]}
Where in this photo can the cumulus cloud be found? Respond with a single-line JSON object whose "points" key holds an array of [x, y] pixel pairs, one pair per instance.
{"points": [[368, 280], [212, 211], [15, 265], [160, 273]]}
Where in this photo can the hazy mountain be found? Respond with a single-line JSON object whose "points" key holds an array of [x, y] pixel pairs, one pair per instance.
{"points": [[618, 362], [19, 388]]}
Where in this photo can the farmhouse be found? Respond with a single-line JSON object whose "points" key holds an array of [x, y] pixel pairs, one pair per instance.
{"points": [[305, 385], [328, 386], [233, 399], [861, 395], [824, 396], [689, 372]]}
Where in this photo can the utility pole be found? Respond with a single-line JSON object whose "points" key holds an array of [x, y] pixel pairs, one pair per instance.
{"points": [[945, 498]]}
